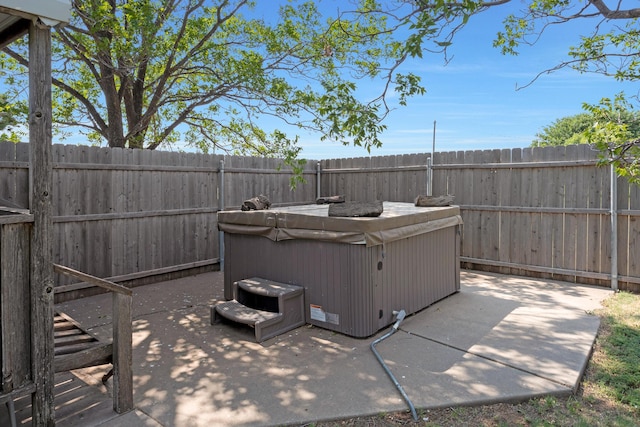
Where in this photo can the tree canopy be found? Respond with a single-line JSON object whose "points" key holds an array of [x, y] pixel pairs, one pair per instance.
{"points": [[143, 73], [610, 126], [611, 49], [146, 73], [616, 138], [564, 131], [576, 129], [9, 114]]}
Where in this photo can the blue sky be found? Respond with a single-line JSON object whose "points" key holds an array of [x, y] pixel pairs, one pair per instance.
{"points": [[474, 100]]}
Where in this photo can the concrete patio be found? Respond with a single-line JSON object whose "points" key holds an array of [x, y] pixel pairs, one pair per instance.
{"points": [[501, 338]]}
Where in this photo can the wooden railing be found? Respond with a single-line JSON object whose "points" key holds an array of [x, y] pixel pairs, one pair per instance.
{"points": [[121, 344]]}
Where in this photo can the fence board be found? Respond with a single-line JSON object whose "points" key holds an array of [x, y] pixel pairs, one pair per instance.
{"points": [[8, 185], [633, 252], [555, 223], [15, 302], [504, 179], [399, 191]]}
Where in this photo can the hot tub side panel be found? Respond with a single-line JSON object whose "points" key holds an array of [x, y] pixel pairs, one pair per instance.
{"points": [[352, 289], [417, 272], [339, 291]]}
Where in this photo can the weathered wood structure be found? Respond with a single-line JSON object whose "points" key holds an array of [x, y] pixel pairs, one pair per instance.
{"points": [[74, 348], [26, 263], [15, 303]]}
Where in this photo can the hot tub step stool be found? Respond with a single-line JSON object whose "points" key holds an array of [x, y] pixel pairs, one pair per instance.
{"points": [[271, 308]]}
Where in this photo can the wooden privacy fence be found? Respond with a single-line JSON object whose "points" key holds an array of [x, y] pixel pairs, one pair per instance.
{"points": [[543, 212], [129, 214], [547, 211]]}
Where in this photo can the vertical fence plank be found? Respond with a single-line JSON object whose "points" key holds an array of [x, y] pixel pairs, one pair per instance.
{"points": [[15, 301], [551, 190], [9, 187], [632, 249], [504, 217], [489, 232]]}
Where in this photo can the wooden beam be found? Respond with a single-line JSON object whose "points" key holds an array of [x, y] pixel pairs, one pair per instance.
{"points": [[122, 353], [40, 174], [95, 281], [13, 32]]}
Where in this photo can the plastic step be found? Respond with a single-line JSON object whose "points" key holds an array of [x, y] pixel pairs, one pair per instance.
{"points": [[271, 308], [233, 310], [268, 288]]}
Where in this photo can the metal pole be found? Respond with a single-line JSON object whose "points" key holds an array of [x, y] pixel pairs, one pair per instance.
{"points": [[433, 146], [430, 163], [221, 207], [614, 228], [429, 175], [318, 170]]}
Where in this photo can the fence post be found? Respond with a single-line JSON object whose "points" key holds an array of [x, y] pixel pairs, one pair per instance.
{"points": [[318, 173], [221, 207], [429, 177], [430, 163], [41, 268], [614, 228]]}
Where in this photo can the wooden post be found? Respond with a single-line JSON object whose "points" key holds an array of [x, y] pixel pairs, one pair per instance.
{"points": [[40, 174], [122, 353]]}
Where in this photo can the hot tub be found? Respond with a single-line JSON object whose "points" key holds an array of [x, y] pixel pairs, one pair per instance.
{"points": [[355, 271]]}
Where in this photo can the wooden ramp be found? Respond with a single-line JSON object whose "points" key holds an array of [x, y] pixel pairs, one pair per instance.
{"points": [[77, 348]]}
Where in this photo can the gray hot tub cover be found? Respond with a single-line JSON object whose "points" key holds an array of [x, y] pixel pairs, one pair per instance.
{"points": [[398, 221]]}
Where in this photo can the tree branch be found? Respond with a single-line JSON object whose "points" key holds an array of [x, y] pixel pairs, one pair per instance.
{"points": [[616, 13]]}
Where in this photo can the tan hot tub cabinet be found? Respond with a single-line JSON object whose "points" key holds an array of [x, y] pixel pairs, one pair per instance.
{"points": [[355, 271]]}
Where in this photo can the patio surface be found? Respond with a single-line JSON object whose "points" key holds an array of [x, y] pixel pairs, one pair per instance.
{"points": [[501, 338]]}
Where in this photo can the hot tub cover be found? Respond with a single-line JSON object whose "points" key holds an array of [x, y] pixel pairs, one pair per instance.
{"points": [[397, 221]]}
